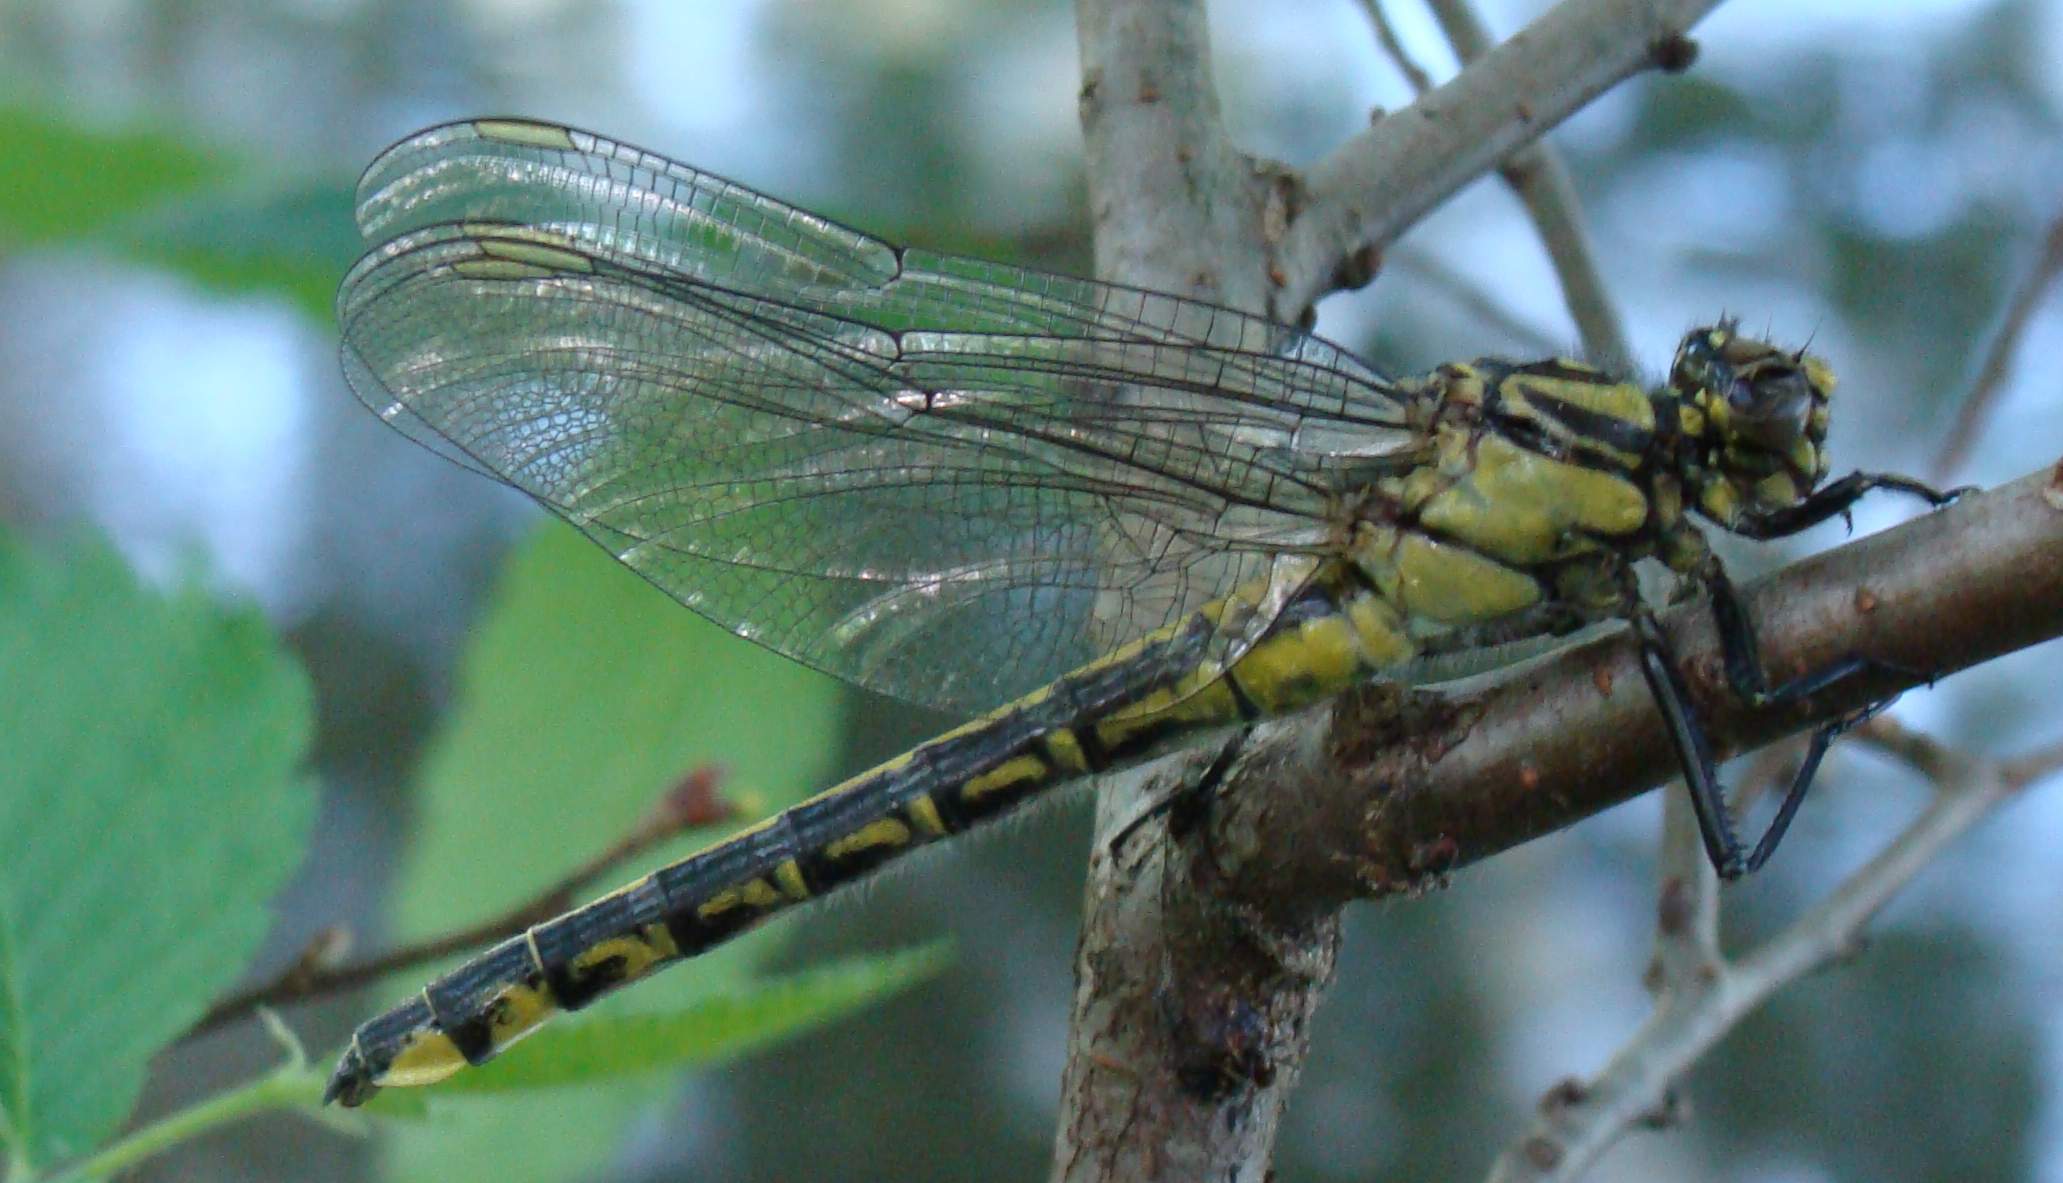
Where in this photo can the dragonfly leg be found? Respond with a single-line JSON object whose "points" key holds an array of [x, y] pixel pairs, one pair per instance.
{"points": [[1815, 751], [1835, 498], [1743, 655], [1693, 750], [1744, 673]]}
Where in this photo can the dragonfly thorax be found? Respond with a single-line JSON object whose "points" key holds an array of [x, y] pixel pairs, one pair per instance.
{"points": [[1754, 421]]}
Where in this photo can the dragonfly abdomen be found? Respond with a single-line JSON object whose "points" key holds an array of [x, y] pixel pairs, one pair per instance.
{"points": [[1114, 711]]}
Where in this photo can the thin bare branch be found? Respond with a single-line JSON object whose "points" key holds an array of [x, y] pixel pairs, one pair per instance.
{"points": [[2034, 766], [1173, 203], [1386, 36], [1389, 176], [1915, 749], [693, 802], [1687, 950], [1831, 929], [1998, 354], [1686, 901], [1543, 184], [1570, 1135]]}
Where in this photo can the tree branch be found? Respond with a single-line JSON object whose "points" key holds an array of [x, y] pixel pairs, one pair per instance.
{"points": [[1420, 79], [1387, 790], [1389, 176], [1543, 185], [1998, 355], [1579, 1122], [1144, 1096], [1173, 203]]}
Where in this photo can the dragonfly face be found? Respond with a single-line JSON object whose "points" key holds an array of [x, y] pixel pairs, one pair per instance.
{"points": [[1757, 422]]}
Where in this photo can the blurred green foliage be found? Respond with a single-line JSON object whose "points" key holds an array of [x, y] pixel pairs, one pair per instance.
{"points": [[170, 199], [152, 802]]}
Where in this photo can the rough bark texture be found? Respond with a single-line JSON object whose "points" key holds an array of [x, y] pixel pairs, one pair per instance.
{"points": [[1187, 1030]]}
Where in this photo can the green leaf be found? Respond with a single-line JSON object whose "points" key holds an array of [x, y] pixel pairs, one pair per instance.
{"points": [[702, 1033], [87, 179], [291, 238], [166, 199], [150, 805], [585, 695]]}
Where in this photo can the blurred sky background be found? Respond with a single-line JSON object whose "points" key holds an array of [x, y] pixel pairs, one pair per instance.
{"points": [[1872, 176]]}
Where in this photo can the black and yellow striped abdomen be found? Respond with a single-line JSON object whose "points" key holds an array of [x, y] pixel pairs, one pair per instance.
{"points": [[1337, 631]]}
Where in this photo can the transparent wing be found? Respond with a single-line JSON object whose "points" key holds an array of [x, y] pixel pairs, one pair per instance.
{"points": [[944, 479]]}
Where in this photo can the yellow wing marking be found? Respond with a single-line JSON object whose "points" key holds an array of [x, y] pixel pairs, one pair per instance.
{"points": [[519, 131]]}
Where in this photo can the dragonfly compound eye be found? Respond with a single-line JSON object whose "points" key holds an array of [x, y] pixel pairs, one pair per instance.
{"points": [[1700, 362], [1772, 408]]}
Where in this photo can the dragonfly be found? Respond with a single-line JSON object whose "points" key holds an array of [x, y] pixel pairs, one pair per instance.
{"points": [[1101, 520]]}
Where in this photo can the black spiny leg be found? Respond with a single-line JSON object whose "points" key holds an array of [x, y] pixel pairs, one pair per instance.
{"points": [[1723, 846], [1693, 750], [1815, 751], [1833, 499], [1744, 674]]}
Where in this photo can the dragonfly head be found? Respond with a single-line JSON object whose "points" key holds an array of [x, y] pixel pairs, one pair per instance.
{"points": [[1755, 417]]}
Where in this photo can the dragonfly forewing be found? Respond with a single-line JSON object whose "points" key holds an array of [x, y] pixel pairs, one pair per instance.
{"points": [[947, 480]]}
